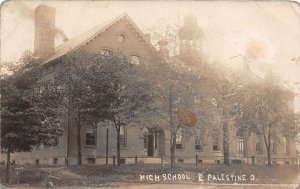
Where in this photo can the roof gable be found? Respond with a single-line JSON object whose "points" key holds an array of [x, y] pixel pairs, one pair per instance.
{"points": [[80, 40]]}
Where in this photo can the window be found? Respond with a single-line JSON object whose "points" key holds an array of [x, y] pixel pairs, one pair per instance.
{"points": [[285, 145], [39, 90], [121, 38], [90, 137], [49, 86], [258, 148], [155, 139], [106, 52], [91, 160], [123, 133], [215, 140], [55, 161], [180, 161], [273, 145], [179, 138], [240, 145], [145, 144], [59, 89], [198, 143], [56, 142], [135, 60], [258, 145]]}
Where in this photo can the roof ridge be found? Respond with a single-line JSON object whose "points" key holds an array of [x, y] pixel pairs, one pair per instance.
{"points": [[79, 40]]}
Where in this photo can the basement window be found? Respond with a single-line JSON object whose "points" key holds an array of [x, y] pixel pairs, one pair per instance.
{"points": [[91, 160], [55, 161]]}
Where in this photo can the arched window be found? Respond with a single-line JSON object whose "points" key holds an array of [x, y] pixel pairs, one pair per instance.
{"points": [[240, 141]]}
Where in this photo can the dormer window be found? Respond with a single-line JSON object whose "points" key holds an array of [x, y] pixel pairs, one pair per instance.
{"points": [[135, 60]]}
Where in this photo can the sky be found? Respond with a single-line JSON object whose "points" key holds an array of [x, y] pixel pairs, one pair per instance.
{"points": [[265, 34]]}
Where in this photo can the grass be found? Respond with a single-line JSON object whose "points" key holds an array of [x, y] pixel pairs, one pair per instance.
{"points": [[101, 175]]}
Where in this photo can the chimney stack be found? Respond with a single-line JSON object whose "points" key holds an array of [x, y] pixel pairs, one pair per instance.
{"points": [[44, 39]]}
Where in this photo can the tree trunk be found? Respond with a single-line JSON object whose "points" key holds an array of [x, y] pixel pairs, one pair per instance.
{"points": [[173, 131], [7, 165], [268, 146], [173, 148], [79, 153], [269, 157], [226, 144], [118, 146]]}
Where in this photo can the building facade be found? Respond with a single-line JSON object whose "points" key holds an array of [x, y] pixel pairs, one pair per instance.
{"points": [[148, 144]]}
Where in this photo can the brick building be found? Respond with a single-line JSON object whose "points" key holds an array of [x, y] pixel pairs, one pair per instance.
{"points": [[122, 34]]}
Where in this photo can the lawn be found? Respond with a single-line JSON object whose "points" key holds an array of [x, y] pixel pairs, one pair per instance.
{"points": [[101, 175]]}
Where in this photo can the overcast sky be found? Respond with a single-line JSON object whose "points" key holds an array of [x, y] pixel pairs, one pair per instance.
{"points": [[267, 34]]}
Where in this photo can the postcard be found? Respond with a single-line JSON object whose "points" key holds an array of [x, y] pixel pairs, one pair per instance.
{"points": [[150, 94]]}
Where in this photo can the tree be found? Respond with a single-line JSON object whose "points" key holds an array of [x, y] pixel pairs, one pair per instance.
{"points": [[28, 119], [267, 110], [74, 91], [104, 88], [228, 96], [175, 81], [192, 84], [178, 97], [122, 92]]}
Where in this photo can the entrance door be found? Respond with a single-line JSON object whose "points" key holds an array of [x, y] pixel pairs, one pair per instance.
{"points": [[150, 145]]}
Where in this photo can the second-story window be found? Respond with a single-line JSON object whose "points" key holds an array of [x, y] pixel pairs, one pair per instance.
{"points": [[106, 52], [135, 60]]}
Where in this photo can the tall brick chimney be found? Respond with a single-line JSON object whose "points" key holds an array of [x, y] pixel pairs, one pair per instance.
{"points": [[44, 39]]}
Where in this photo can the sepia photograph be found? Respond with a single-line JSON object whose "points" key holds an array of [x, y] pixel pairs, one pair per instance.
{"points": [[150, 94]]}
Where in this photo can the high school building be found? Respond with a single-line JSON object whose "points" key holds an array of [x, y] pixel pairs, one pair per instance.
{"points": [[149, 145]]}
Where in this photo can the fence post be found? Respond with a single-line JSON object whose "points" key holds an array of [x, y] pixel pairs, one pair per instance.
{"points": [[253, 160], [106, 150], [162, 161], [114, 160], [46, 180], [18, 177], [196, 160], [136, 159]]}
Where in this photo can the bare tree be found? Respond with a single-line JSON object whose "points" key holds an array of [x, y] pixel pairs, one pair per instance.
{"points": [[267, 110]]}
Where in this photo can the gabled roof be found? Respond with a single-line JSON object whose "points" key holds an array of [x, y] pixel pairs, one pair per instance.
{"points": [[80, 40]]}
